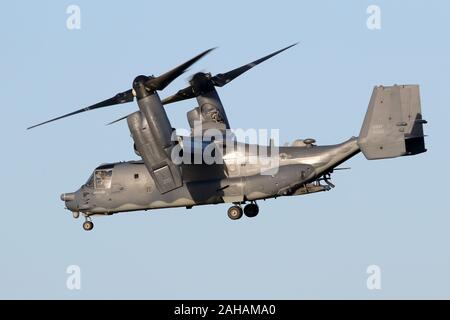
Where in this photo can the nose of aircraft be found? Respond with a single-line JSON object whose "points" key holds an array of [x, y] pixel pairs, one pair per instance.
{"points": [[68, 196], [69, 199]]}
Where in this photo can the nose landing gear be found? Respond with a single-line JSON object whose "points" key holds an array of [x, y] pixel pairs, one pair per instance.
{"points": [[88, 225]]}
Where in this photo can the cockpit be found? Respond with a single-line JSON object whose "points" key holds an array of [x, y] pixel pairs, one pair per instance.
{"points": [[101, 178]]}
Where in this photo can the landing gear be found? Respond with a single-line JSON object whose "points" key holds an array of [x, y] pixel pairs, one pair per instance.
{"points": [[251, 210], [235, 212], [88, 225], [75, 214]]}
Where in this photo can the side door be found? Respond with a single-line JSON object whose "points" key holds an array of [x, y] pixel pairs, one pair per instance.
{"points": [[234, 162]]}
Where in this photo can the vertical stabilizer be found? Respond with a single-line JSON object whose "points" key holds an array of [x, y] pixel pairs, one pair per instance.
{"points": [[393, 125]]}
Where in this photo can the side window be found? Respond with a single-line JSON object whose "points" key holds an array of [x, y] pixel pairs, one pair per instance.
{"points": [[103, 179]]}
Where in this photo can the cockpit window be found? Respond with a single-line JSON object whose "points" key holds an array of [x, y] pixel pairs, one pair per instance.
{"points": [[90, 182], [103, 179]]}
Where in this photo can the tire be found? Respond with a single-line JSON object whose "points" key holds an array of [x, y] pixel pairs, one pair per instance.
{"points": [[88, 225], [235, 212], [251, 210]]}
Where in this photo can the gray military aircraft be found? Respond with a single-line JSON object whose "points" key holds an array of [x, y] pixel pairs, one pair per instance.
{"points": [[393, 127]]}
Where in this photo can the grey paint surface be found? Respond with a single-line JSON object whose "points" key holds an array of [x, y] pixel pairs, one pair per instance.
{"points": [[393, 120], [392, 115]]}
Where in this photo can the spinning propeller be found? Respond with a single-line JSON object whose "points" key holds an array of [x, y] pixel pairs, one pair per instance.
{"points": [[201, 83], [151, 84]]}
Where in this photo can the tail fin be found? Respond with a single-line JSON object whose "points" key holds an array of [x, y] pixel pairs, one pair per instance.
{"points": [[393, 126]]}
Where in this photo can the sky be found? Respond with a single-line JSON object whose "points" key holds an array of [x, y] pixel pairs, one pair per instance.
{"points": [[391, 214]]}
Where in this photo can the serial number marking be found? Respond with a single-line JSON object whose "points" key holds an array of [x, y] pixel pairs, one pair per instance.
{"points": [[246, 309]]}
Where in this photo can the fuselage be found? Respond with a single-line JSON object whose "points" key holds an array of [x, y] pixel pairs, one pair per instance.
{"points": [[244, 174]]}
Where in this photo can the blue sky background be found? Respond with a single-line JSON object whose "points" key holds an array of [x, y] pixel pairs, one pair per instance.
{"points": [[391, 213]]}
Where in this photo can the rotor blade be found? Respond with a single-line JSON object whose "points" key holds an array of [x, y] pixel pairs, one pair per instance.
{"points": [[222, 79], [115, 121], [218, 80], [183, 94], [123, 97], [159, 83]]}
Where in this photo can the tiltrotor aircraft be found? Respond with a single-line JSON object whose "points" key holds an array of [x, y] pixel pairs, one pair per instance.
{"points": [[393, 127]]}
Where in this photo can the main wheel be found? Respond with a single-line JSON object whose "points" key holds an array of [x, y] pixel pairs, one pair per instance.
{"points": [[235, 212], [88, 225], [251, 210]]}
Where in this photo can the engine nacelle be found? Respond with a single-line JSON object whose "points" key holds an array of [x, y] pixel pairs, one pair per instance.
{"points": [[136, 150], [209, 112], [153, 143]]}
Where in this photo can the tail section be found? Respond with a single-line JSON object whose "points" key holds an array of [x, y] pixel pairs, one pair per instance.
{"points": [[393, 126]]}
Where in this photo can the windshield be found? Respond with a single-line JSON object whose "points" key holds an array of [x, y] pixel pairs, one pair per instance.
{"points": [[103, 178], [90, 182]]}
